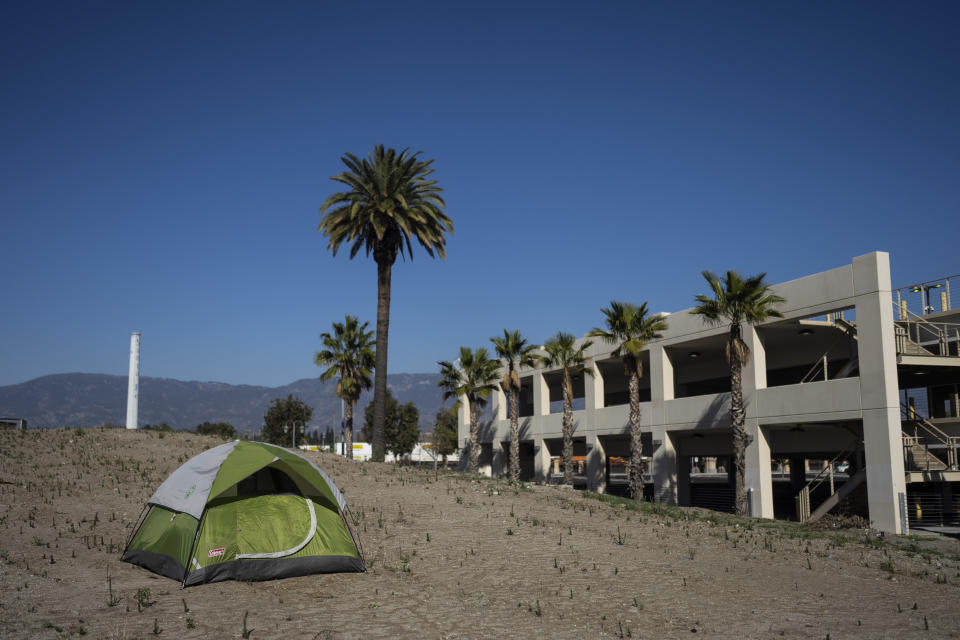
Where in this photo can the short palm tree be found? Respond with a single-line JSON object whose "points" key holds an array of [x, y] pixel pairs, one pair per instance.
{"points": [[563, 353], [739, 301], [449, 377], [390, 201], [473, 377], [513, 348], [349, 357], [448, 382], [630, 328]]}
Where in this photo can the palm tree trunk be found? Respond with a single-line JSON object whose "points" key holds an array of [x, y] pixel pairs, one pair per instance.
{"points": [[636, 440], [514, 435], [384, 268], [435, 447], [739, 430], [348, 431], [474, 437], [567, 429]]}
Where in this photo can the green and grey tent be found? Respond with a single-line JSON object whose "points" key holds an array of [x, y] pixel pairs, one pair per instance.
{"points": [[245, 511]]}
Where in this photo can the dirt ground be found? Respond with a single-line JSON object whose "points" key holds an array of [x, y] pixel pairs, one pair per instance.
{"points": [[450, 556]]}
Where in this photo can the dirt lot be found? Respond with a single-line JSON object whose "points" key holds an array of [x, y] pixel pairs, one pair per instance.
{"points": [[450, 556]]}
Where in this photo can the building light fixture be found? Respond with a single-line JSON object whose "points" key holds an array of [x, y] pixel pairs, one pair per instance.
{"points": [[693, 354], [806, 331]]}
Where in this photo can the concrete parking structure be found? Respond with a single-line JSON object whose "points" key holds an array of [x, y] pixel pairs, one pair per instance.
{"points": [[851, 401]]}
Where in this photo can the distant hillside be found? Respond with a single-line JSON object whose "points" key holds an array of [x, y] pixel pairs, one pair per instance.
{"points": [[90, 399]]}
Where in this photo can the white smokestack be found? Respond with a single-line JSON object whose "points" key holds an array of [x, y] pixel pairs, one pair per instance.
{"points": [[133, 383]]}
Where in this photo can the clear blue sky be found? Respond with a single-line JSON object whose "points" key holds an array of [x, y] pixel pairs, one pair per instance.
{"points": [[162, 166]]}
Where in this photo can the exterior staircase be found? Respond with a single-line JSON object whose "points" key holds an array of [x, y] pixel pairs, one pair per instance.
{"points": [[836, 493], [837, 496], [916, 448], [917, 457], [917, 336], [820, 369]]}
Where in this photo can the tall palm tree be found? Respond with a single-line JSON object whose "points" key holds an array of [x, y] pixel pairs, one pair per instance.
{"points": [[474, 378], [348, 355], [562, 352], [390, 201], [514, 349], [739, 301], [630, 328]]}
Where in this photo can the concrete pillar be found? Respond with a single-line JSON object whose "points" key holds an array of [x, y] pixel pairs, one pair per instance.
{"points": [[755, 372], [593, 389], [669, 486], [498, 404], [463, 423], [759, 476], [485, 468], [661, 382], [541, 395], [499, 464], [664, 470], [596, 464], [541, 460], [879, 397]]}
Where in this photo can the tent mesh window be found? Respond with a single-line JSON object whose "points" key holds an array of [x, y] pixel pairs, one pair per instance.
{"points": [[267, 481]]}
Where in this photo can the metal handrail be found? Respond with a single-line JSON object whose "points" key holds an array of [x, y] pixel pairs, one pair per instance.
{"points": [[912, 442], [950, 442], [924, 289], [910, 326], [849, 330], [827, 471], [803, 496], [910, 413], [814, 371]]}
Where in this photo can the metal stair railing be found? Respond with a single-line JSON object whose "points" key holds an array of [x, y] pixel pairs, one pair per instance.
{"points": [[820, 367], [849, 327], [915, 335], [826, 474], [918, 457], [932, 431]]}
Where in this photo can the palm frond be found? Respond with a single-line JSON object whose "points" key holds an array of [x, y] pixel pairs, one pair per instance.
{"points": [[349, 356], [737, 300], [630, 328], [388, 204]]}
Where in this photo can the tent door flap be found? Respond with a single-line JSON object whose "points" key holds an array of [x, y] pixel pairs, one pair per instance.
{"points": [[293, 550]]}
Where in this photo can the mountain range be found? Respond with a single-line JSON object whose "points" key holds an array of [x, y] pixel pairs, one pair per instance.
{"points": [[92, 399]]}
